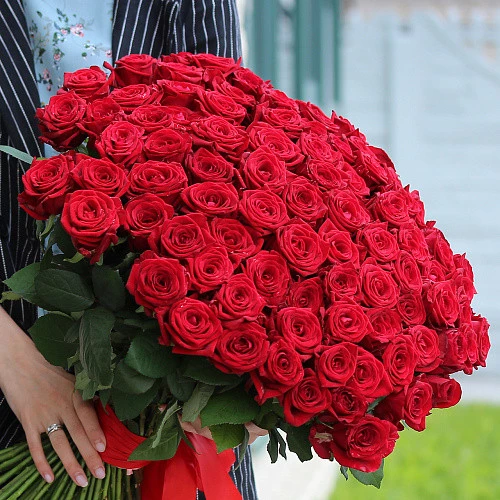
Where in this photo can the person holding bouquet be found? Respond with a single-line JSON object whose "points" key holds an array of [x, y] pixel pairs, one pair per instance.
{"points": [[39, 42]]}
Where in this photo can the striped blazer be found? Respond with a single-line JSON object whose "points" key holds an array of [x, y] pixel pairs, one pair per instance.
{"points": [[153, 27]]}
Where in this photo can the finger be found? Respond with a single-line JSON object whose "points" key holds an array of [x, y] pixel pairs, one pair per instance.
{"points": [[38, 455], [88, 452], [88, 417], [63, 449]]}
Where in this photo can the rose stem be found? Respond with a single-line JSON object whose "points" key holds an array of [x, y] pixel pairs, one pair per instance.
{"points": [[129, 490], [119, 477], [106, 481], [15, 470]]}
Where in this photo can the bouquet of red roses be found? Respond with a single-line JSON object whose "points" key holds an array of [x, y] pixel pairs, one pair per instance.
{"points": [[218, 249]]}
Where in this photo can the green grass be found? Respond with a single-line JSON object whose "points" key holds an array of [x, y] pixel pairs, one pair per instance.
{"points": [[456, 458]]}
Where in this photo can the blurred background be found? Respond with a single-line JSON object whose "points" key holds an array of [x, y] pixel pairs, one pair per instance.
{"points": [[422, 80]]}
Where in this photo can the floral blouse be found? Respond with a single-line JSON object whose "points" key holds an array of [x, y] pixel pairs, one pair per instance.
{"points": [[66, 36]]}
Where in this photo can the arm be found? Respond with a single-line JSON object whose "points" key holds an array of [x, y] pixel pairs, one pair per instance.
{"points": [[209, 26]]}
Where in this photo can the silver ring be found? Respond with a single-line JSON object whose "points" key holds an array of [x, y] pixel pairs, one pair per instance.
{"points": [[53, 428]]}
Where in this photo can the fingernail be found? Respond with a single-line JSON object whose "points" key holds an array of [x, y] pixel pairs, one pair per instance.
{"points": [[100, 473], [99, 446], [48, 478], [81, 480]]}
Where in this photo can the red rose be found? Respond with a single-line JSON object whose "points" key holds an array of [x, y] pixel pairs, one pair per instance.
{"points": [[262, 134], [342, 281], [411, 308], [379, 242], [303, 248], [211, 198], [314, 147], [432, 270], [400, 359], [248, 81], [46, 184], [378, 286], [143, 214], [426, 342], [287, 119], [326, 174], [393, 207], [304, 200], [98, 115], [263, 168], [278, 99], [134, 69], [453, 344], [91, 219], [213, 103], [151, 117], [367, 163], [305, 400], [362, 445], [346, 321], [337, 364], [59, 119], [315, 114], [156, 282], [407, 273], [370, 377], [224, 87], [386, 324], [178, 72], [418, 404], [238, 299], [121, 142], [223, 136], [462, 264], [446, 392], [205, 166], [391, 408], [178, 93], [241, 348], [301, 328], [307, 294], [439, 247], [346, 211], [281, 371], [270, 274], [209, 61], [167, 145], [210, 268], [347, 405], [165, 179], [264, 210], [181, 237], [192, 327], [441, 303], [341, 247], [88, 83], [100, 175], [133, 96], [481, 327], [236, 238], [411, 239]]}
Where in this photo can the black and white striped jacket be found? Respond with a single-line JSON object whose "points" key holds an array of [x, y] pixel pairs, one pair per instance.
{"points": [[153, 27]]}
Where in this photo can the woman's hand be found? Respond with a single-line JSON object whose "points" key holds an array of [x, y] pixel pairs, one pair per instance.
{"points": [[196, 427], [40, 395]]}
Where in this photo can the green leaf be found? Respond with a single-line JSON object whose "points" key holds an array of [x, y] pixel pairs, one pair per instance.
{"points": [[232, 407], [269, 414], [168, 420], [344, 471], [47, 259], [181, 387], [20, 155], [76, 258], [276, 441], [198, 400], [49, 333], [127, 407], [63, 290], [95, 344], [243, 447], [10, 296], [23, 282], [370, 478], [227, 436], [150, 358], [104, 396], [72, 333], [61, 238], [298, 441], [49, 224], [87, 387], [127, 380], [200, 368], [108, 287]]}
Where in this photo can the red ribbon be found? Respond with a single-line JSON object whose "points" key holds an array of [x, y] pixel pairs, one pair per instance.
{"points": [[177, 478]]}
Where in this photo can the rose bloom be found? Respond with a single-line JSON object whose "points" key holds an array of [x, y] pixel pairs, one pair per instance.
{"points": [[304, 200], [411, 308], [264, 210], [211, 198], [157, 282], [134, 69], [91, 219], [346, 321], [392, 206], [98, 115], [307, 294], [46, 185], [441, 304], [207, 166], [262, 168], [427, 345], [305, 400], [347, 405], [342, 282], [336, 364], [446, 392], [282, 370], [133, 96], [378, 286], [341, 247], [191, 326], [379, 242], [407, 273], [151, 117], [400, 360], [346, 211], [241, 348], [386, 324], [418, 404], [214, 103], [88, 83], [167, 145]]}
